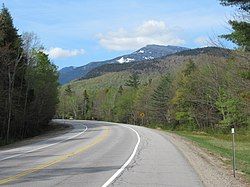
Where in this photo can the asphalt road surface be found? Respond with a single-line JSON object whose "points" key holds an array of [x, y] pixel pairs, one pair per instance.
{"points": [[98, 154]]}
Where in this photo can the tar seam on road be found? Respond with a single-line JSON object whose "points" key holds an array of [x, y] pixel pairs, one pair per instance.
{"points": [[39, 148], [53, 162], [118, 172]]}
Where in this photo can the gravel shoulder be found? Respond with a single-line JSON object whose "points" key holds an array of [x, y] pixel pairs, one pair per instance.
{"points": [[210, 168]]}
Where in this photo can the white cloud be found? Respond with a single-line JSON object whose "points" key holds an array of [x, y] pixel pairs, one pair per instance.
{"points": [[57, 52], [150, 32], [202, 41]]}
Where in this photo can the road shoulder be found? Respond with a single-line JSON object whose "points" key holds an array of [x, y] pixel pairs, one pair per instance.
{"points": [[211, 170]]}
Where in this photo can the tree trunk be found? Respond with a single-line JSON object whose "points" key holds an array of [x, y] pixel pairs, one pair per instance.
{"points": [[9, 106]]}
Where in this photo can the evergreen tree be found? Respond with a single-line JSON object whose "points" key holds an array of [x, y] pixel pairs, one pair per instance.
{"points": [[190, 67], [160, 99], [133, 81], [181, 100], [243, 4], [240, 35], [8, 35], [241, 29], [12, 80], [85, 104]]}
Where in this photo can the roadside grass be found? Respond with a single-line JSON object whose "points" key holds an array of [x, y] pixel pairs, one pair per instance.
{"points": [[221, 144]]}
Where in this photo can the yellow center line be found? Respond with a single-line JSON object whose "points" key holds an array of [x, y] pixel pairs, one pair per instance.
{"points": [[53, 162]]}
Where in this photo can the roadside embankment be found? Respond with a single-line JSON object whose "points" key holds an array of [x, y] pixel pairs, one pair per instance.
{"points": [[211, 157]]}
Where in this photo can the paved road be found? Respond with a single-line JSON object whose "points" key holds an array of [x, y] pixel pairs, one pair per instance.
{"points": [[98, 154]]}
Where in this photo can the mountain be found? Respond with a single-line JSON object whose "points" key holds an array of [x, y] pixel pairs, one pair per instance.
{"points": [[146, 53], [159, 64], [68, 74]]}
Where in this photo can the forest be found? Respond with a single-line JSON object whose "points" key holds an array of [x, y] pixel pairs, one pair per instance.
{"points": [[209, 96], [28, 83]]}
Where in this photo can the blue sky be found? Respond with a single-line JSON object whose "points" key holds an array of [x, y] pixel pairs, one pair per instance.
{"points": [[76, 32]]}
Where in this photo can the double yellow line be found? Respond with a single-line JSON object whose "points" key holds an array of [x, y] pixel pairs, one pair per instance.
{"points": [[59, 159]]}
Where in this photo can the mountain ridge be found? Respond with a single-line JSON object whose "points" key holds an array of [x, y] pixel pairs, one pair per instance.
{"points": [[146, 53], [153, 64]]}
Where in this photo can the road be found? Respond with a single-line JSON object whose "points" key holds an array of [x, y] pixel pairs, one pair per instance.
{"points": [[98, 154]]}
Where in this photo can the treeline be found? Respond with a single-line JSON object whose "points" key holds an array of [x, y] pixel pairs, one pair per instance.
{"points": [[28, 83], [208, 96]]}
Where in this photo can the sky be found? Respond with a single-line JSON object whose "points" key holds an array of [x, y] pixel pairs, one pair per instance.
{"points": [[76, 32]]}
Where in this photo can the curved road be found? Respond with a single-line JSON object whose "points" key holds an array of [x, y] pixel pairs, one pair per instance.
{"points": [[98, 154]]}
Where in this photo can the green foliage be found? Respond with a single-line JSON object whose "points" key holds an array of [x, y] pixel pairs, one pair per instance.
{"points": [[12, 72], [107, 97], [42, 79], [123, 109], [190, 67], [241, 29], [8, 36], [85, 104], [142, 104], [240, 34], [190, 98], [68, 91], [182, 106], [133, 81], [229, 108], [161, 98], [245, 74], [28, 85]]}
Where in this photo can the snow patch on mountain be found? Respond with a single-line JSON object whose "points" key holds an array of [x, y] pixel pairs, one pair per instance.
{"points": [[148, 58], [125, 60]]}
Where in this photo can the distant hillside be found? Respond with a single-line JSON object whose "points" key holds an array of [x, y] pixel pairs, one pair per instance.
{"points": [[158, 64], [146, 53], [214, 51], [68, 74]]}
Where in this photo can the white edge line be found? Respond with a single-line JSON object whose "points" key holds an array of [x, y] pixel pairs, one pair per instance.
{"points": [[9, 157], [17, 155], [118, 172]]}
